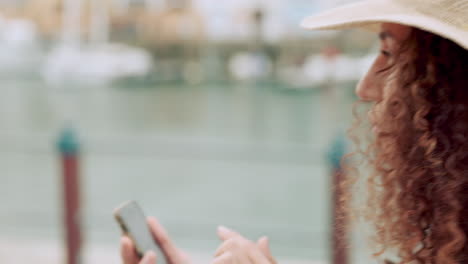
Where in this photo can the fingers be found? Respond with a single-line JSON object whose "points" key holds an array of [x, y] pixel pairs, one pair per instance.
{"points": [[234, 244], [257, 257], [160, 235], [237, 249], [232, 240], [225, 258], [225, 233], [240, 250], [229, 244], [127, 250], [264, 245], [130, 256], [149, 258]]}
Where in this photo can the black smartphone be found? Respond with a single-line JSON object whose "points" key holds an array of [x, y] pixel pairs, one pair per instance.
{"points": [[133, 223]]}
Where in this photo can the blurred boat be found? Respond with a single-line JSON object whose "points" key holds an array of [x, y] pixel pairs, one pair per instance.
{"points": [[250, 66], [94, 60], [20, 52], [97, 64], [328, 68]]}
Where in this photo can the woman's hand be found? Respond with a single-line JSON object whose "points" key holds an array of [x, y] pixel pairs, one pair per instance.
{"points": [[172, 254], [237, 249]]}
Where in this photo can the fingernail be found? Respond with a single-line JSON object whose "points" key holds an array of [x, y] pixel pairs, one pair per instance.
{"points": [[125, 240], [223, 229], [149, 258]]}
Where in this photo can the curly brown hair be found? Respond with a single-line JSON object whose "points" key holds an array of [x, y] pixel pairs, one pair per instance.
{"points": [[418, 180]]}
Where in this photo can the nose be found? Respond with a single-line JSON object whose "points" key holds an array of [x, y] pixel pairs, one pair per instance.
{"points": [[365, 92], [369, 88]]}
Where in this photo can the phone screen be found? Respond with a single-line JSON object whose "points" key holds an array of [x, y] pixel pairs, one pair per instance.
{"points": [[132, 220]]}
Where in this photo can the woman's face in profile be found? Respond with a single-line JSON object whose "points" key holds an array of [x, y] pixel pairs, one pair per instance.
{"points": [[372, 87]]}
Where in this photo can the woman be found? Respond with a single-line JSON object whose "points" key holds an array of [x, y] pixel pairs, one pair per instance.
{"points": [[418, 185]]}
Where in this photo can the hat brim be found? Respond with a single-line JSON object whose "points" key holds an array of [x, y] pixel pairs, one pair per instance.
{"points": [[371, 13]]}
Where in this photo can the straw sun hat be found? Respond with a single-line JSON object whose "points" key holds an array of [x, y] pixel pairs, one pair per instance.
{"points": [[446, 18]]}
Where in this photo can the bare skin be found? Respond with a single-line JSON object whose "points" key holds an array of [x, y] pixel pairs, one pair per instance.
{"points": [[172, 254], [235, 248], [370, 88]]}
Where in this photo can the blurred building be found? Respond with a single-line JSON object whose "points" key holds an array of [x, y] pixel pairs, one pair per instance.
{"points": [[172, 20], [193, 39], [178, 22], [49, 16]]}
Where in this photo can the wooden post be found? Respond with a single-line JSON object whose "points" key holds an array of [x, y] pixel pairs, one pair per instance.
{"points": [[339, 234], [68, 147]]}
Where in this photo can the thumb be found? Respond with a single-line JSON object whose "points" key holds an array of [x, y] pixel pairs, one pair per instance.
{"points": [[264, 245], [149, 258], [160, 235]]}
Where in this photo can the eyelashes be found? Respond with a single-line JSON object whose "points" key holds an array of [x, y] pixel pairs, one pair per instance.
{"points": [[386, 69], [385, 53]]}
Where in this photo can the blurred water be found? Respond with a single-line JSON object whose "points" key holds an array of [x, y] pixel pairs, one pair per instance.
{"points": [[249, 157]]}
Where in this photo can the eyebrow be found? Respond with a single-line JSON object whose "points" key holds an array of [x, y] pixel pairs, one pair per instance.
{"points": [[385, 34]]}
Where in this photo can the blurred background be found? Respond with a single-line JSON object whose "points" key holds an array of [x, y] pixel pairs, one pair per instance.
{"points": [[207, 112]]}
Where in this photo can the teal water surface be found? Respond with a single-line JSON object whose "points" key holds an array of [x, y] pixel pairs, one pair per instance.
{"points": [[245, 156]]}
